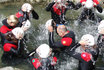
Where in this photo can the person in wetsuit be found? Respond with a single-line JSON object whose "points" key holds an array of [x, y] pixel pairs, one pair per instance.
{"points": [[12, 46], [58, 10], [25, 12], [88, 53], [41, 58], [8, 24], [88, 10], [100, 40], [67, 41]]}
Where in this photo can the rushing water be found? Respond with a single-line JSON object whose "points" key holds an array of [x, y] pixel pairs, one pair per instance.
{"points": [[37, 35]]}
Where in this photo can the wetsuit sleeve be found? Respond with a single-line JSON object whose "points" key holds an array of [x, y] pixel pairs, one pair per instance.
{"points": [[2, 38], [16, 51], [36, 63], [23, 18], [32, 53], [12, 50], [99, 41], [48, 8], [74, 54], [77, 6], [35, 15], [95, 53], [71, 4], [99, 8], [52, 43]]}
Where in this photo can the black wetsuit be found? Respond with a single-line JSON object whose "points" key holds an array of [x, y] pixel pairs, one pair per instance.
{"points": [[43, 63], [85, 65], [59, 18], [100, 40], [89, 13], [67, 42], [10, 48], [100, 43], [23, 16]]}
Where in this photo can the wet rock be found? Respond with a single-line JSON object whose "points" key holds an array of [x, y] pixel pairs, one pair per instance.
{"points": [[9, 68], [38, 0]]}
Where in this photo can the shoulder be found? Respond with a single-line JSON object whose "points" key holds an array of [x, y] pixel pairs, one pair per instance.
{"points": [[82, 1], [66, 41], [7, 46], [19, 14], [96, 1], [3, 29], [86, 56], [36, 63]]}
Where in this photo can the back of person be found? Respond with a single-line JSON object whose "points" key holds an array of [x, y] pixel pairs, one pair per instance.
{"points": [[24, 13], [41, 58], [88, 53], [8, 24]]}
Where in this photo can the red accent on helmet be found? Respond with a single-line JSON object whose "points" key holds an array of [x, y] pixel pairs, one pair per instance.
{"points": [[7, 47], [58, 11], [36, 63], [66, 41], [19, 15], [96, 1], [86, 56], [82, 1]]}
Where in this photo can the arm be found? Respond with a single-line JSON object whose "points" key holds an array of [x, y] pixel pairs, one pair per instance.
{"points": [[48, 8], [77, 6], [100, 41], [74, 54], [99, 8], [65, 42], [35, 15], [52, 43], [71, 4]]}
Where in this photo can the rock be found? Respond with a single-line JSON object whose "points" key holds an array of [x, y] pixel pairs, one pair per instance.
{"points": [[9, 68], [37, 0]]}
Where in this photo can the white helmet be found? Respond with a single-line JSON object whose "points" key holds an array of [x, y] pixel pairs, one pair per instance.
{"points": [[89, 4], [89, 39], [26, 7], [101, 27], [59, 1], [48, 23], [18, 32], [26, 25], [43, 51]]}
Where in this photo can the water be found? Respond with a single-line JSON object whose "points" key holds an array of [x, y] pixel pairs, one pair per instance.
{"points": [[37, 35]]}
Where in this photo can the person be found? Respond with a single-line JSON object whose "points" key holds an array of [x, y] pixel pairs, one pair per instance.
{"points": [[100, 40], [8, 24], [88, 12], [58, 10], [42, 58], [67, 41], [24, 13], [12, 47], [88, 53]]}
